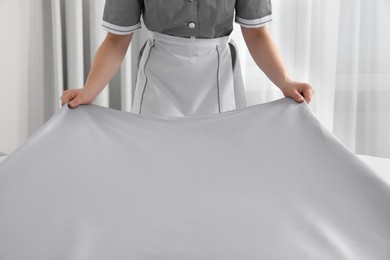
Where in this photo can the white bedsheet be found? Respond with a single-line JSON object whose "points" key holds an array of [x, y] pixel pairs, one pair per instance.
{"points": [[2, 158], [380, 166], [265, 182]]}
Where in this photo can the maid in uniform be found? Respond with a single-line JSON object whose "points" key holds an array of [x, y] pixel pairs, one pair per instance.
{"points": [[189, 65]]}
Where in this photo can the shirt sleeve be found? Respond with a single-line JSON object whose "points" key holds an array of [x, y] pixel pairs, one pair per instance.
{"points": [[253, 13], [122, 16]]}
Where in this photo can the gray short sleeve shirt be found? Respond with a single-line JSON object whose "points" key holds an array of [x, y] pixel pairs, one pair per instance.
{"points": [[185, 18]]}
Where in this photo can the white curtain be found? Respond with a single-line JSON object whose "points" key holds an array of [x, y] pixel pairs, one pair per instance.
{"points": [[338, 46], [341, 48], [306, 34], [362, 98], [65, 37]]}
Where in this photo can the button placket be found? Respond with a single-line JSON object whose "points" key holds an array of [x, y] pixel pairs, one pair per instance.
{"points": [[192, 23]]}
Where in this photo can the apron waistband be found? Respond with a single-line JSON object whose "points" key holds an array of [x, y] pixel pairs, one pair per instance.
{"points": [[189, 41]]}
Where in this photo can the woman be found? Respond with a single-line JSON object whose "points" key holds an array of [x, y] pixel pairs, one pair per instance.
{"points": [[189, 65]]}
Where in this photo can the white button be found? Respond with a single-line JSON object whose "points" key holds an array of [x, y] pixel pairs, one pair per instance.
{"points": [[191, 25]]}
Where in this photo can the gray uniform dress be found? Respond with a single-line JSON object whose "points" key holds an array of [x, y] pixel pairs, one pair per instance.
{"points": [[189, 65]]}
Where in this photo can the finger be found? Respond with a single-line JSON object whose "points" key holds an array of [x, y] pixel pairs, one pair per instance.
{"points": [[75, 102], [297, 97], [64, 99], [67, 96], [308, 93]]}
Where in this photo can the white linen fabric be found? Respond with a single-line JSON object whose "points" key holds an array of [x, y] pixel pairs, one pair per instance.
{"points": [[381, 166], [263, 182]]}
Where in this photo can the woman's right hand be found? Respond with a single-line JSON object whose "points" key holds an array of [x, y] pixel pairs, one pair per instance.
{"points": [[77, 97]]}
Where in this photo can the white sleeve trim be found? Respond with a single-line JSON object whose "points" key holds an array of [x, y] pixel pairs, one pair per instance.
{"points": [[254, 23], [120, 30]]}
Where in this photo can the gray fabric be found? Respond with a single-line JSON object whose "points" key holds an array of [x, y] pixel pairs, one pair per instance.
{"points": [[264, 182], [253, 9], [210, 18], [123, 13]]}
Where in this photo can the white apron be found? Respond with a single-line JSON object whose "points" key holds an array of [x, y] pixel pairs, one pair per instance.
{"points": [[188, 77]]}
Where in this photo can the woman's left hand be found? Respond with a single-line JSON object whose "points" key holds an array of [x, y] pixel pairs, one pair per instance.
{"points": [[299, 91]]}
